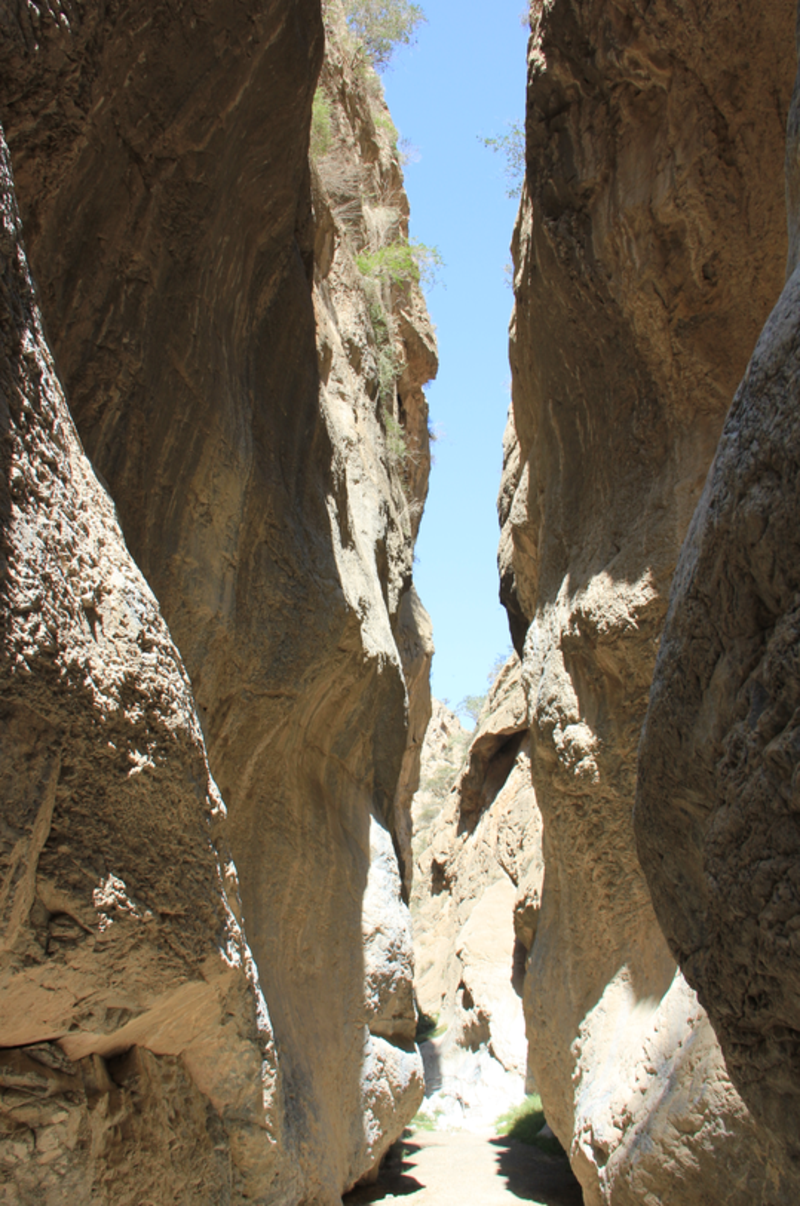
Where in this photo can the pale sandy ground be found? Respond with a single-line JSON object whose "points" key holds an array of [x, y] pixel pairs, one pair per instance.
{"points": [[457, 1168]]}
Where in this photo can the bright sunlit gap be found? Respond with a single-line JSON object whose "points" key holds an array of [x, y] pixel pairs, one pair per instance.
{"points": [[463, 81]]}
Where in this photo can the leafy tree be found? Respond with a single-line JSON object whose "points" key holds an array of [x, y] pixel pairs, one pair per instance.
{"points": [[471, 706], [383, 25], [512, 147]]}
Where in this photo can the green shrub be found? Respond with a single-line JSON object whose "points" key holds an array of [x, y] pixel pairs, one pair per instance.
{"points": [[396, 443], [382, 25], [523, 1123], [384, 122], [427, 1026], [512, 147], [423, 1121], [320, 125], [389, 368], [402, 261]]}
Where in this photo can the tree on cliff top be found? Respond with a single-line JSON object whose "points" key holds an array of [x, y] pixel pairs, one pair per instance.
{"points": [[383, 25]]}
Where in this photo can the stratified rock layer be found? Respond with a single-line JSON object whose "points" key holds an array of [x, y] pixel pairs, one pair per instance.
{"points": [[219, 350], [648, 251], [717, 805]]}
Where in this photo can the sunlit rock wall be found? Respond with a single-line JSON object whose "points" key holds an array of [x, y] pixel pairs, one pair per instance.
{"points": [[716, 812], [218, 347], [477, 887], [649, 249]]}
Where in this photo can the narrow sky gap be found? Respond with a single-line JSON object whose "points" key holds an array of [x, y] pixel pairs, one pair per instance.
{"points": [[464, 79]]}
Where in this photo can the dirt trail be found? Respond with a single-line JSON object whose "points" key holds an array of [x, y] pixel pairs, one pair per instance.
{"points": [[458, 1168]]}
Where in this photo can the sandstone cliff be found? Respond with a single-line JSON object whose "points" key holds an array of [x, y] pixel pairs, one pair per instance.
{"points": [[716, 812], [648, 251], [477, 884], [220, 347]]}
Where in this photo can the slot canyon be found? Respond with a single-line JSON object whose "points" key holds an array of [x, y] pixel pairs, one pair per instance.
{"points": [[276, 926]]}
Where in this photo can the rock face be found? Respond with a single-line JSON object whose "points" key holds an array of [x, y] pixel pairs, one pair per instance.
{"points": [[252, 398], [126, 983], [716, 812], [648, 251], [477, 886]]}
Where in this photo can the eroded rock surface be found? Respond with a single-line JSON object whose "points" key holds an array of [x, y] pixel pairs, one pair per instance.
{"points": [[221, 351], [716, 812], [126, 986], [648, 252], [477, 885]]}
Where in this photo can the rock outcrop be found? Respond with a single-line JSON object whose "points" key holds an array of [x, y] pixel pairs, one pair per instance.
{"points": [[717, 800], [648, 251], [477, 886], [251, 396], [125, 985]]}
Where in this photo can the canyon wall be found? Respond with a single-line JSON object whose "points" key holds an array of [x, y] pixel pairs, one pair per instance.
{"points": [[477, 884], [717, 796], [249, 393], [649, 249], [128, 1002]]}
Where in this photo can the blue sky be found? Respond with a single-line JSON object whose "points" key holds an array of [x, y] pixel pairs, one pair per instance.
{"points": [[464, 79]]}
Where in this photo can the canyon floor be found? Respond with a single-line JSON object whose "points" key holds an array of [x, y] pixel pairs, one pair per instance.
{"points": [[454, 1168]]}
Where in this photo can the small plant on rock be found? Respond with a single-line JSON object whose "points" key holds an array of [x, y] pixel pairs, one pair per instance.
{"points": [[524, 1122], [512, 148], [402, 261], [320, 125]]}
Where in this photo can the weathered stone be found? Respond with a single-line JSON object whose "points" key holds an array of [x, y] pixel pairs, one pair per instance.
{"points": [[648, 251], [118, 930], [471, 860], [716, 812], [216, 342]]}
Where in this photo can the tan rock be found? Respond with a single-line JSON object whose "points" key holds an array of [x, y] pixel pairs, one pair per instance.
{"points": [[716, 819], [125, 980], [214, 335], [648, 251], [471, 864]]}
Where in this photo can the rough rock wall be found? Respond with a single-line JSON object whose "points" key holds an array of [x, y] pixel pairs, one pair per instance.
{"points": [[648, 250], [219, 354], [125, 983], [477, 884], [717, 795]]}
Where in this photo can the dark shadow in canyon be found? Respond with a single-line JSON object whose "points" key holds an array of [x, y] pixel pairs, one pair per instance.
{"points": [[393, 1180], [533, 1176]]}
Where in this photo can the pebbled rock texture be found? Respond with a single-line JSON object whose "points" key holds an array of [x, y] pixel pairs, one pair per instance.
{"points": [[138, 1057], [648, 251], [717, 801], [218, 345]]}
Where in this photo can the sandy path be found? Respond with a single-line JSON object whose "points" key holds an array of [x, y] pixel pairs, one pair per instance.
{"points": [[457, 1168]]}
